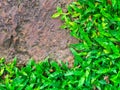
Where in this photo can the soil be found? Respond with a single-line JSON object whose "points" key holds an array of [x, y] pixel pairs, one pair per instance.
{"points": [[28, 31]]}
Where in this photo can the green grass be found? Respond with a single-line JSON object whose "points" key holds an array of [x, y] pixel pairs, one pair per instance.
{"points": [[40, 76], [96, 24]]}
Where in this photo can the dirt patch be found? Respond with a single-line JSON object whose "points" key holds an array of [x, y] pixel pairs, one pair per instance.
{"points": [[27, 30]]}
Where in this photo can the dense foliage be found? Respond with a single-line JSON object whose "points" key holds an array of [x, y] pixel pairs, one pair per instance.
{"points": [[47, 75], [96, 24]]}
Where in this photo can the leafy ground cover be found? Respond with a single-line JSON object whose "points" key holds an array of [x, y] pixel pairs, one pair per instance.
{"points": [[96, 24]]}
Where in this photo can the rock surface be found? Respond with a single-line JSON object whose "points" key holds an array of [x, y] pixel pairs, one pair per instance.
{"points": [[27, 30]]}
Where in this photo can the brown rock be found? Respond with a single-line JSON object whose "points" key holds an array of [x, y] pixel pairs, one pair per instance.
{"points": [[28, 31]]}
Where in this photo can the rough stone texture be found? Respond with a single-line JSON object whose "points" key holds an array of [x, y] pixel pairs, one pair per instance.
{"points": [[27, 30]]}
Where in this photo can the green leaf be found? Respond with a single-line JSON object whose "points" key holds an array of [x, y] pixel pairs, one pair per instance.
{"points": [[114, 2], [1, 71], [81, 81], [105, 14], [114, 48], [59, 10], [33, 78], [87, 72], [55, 66], [69, 73], [58, 13], [85, 37]]}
